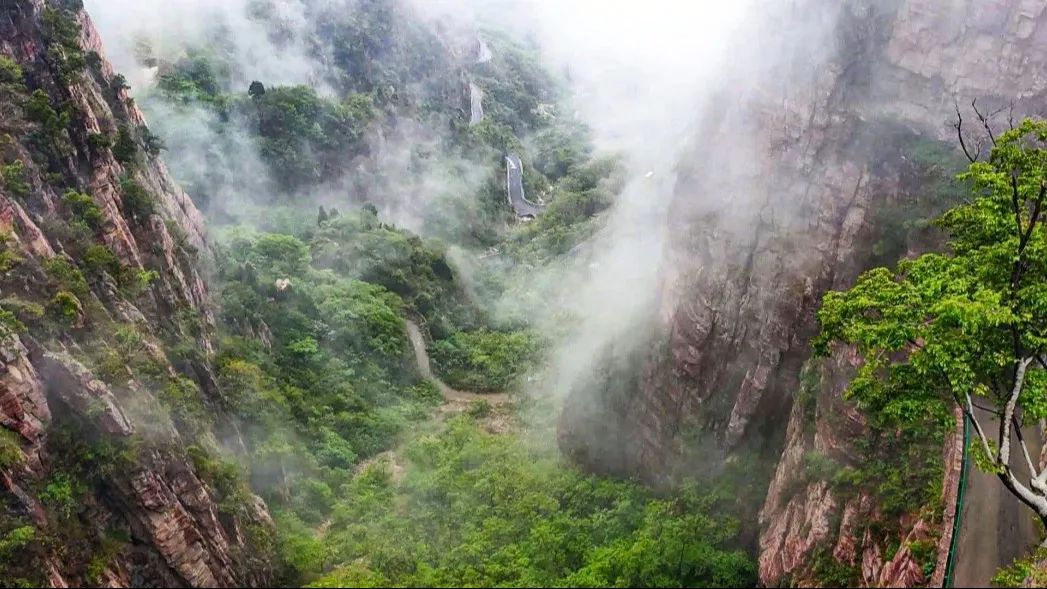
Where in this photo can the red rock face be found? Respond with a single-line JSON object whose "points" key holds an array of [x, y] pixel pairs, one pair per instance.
{"points": [[180, 537], [775, 207]]}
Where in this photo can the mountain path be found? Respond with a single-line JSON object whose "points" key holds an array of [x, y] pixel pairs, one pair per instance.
{"points": [[451, 395]]}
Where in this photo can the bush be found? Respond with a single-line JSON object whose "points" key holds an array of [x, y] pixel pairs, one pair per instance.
{"points": [[99, 141], [98, 259], [10, 72], [484, 360], [183, 399], [138, 203], [125, 150], [65, 308], [13, 177], [84, 209], [24, 311], [134, 282], [14, 541], [39, 110], [8, 258], [61, 494], [66, 276], [225, 476], [9, 325], [479, 409], [1023, 572], [62, 32], [94, 60], [10, 450]]}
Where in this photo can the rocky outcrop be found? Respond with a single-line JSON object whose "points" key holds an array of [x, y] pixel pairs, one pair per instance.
{"points": [[780, 200], [806, 518], [92, 459]]}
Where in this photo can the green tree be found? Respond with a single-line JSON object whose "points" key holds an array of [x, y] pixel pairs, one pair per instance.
{"points": [[257, 90], [968, 327]]}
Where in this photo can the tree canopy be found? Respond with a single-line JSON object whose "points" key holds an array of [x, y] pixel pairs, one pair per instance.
{"points": [[968, 327]]}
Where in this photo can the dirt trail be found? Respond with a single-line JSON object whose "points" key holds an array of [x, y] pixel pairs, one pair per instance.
{"points": [[421, 356], [996, 528]]}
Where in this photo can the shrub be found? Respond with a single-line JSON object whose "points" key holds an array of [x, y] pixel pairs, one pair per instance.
{"points": [[39, 110], [1023, 570], [94, 60], [137, 202], [13, 177], [66, 276], [484, 360], [65, 308], [133, 282], [118, 83], [63, 44], [10, 72], [8, 258], [183, 398], [84, 209], [479, 409], [24, 311], [10, 449], [99, 141], [99, 258], [152, 143], [125, 150], [61, 494]]}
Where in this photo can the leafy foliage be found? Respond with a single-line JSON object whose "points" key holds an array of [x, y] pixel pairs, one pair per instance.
{"points": [[138, 204], [483, 510], [14, 179], [484, 360], [10, 71], [84, 209], [306, 137], [64, 53], [948, 327], [1023, 571]]}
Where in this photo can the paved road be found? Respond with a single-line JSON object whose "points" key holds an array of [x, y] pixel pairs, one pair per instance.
{"points": [[514, 187], [995, 527], [483, 52], [476, 104]]}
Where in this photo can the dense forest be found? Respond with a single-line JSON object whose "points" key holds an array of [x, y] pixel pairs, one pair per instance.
{"points": [[310, 397]]}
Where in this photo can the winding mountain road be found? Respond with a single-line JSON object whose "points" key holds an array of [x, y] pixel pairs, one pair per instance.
{"points": [[995, 527], [514, 187], [483, 52], [476, 104], [451, 395]]}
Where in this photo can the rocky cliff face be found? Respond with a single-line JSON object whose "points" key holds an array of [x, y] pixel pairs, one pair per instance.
{"points": [[104, 333], [829, 102]]}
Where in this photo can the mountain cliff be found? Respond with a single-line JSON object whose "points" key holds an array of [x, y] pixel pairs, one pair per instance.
{"points": [[105, 331], [829, 152]]}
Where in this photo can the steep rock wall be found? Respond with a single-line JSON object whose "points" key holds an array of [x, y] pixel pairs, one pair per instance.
{"points": [[93, 462], [779, 201]]}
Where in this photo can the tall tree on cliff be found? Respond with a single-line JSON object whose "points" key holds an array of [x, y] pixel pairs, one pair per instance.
{"points": [[967, 327]]}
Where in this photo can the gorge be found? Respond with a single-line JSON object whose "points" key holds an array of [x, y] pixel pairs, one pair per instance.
{"points": [[404, 293]]}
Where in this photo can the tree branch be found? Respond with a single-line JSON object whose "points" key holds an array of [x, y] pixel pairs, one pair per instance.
{"points": [[992, 410], [1033, 219], [1034, 473], [978, 428], [985, 119], [1008, 412], [1016, 206], [959, 135]]}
